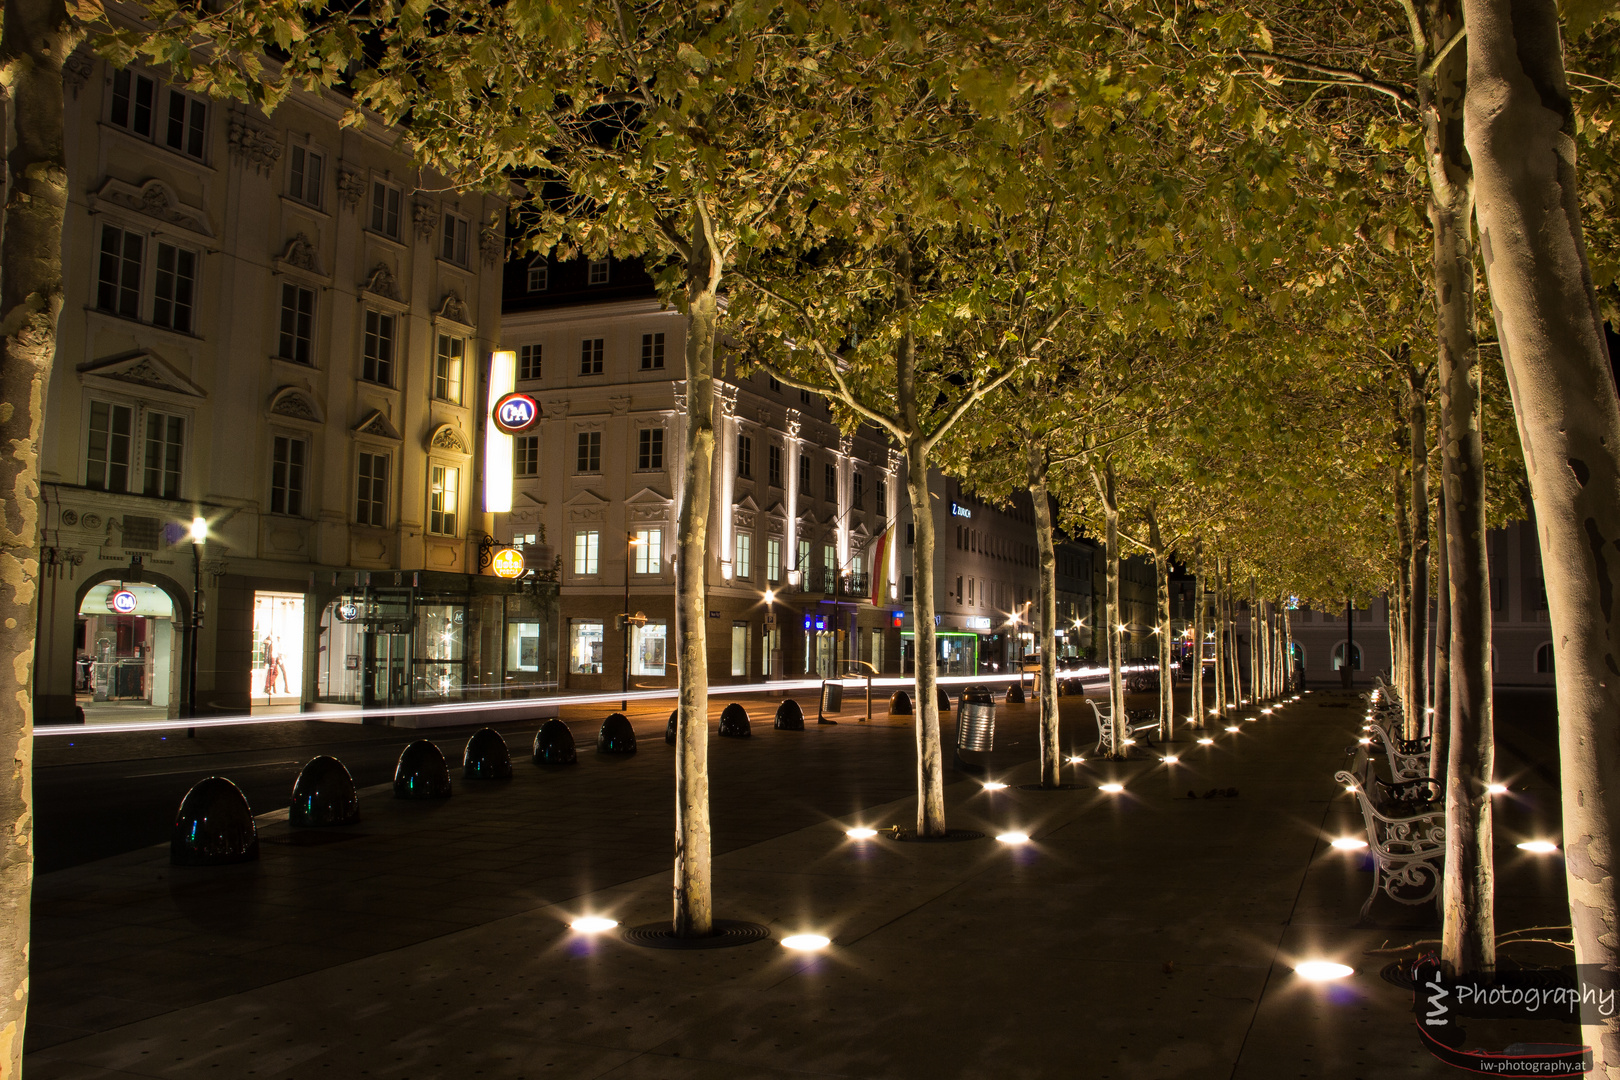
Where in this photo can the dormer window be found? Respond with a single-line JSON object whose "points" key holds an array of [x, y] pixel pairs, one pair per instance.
{"points": [[539, 275], [597, 274]]}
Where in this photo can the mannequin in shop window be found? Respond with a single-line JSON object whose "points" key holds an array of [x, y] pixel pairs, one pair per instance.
{"points": [[272, 668]]}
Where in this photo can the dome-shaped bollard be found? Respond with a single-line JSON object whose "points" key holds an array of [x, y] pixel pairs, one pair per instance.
{"points": [[1015, 694], [616, 736], [789, 717], [554, 744], [323, 795], [900, 704], [734, 722], [944, 698], [214, 826], [486, 757], [422, 772], [669, 732]]}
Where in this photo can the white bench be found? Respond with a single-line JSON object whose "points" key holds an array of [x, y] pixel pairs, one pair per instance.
{"points": [[1105, 727], [1407, 848]]}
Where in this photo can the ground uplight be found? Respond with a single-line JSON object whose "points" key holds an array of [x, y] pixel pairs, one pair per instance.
{"points": [[1112, 789], [994, 785], [1232, 729], [806, 942], [1539, 847], [1171, 760], [1349, 843], [1077, 761], [1322, 970], [1206, 742], [1014, 838], [592, 924], [1496, 789], [860, 833]]}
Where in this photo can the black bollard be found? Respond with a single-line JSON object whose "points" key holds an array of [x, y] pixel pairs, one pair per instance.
{"points": [[734, 722], [900, 704], [554, 744], [214, 826], [616, 736], [422, 772], [486, 757], [323, 795], [789, 717]]}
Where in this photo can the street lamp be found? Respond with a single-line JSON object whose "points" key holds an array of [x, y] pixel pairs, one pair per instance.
{"points": [[630, 543], [199, 537]]}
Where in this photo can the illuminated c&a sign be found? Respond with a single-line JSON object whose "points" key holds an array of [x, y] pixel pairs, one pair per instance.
{"points": [[123, 601], [515, 412]]}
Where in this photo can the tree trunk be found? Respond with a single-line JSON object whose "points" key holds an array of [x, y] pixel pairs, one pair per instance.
{"points": [[1221, 650], [1116, 683], [1399, 604], [1417, 611], [1198, 718], [694, 899], [1235, 653], [930, 759], [1521, 135], [1254, 644], [35, 40], [1051, 750], [1440, 718], [1161, 571]]}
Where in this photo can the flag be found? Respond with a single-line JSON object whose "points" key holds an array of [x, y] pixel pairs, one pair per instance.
{"points": [[880, 572]]}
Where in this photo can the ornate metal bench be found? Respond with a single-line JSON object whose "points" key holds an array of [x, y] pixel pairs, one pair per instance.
{"points": [[1407, 848], [1133, 728], [1406, 760]]}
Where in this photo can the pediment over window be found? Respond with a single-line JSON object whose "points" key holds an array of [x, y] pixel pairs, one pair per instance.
{"points": [[378, 425], [156, 200], [300, 254], [648, 495], [381, 284], [143, 368], [746, 504], [293, 402], [454, 310], [446, 437], [586, 497]]}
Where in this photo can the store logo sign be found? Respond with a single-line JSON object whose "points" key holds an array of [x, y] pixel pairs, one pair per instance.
{"points": [[977, 622], [123, 601], [348, 612], [516, 412], [508, 563], [958, 510]]}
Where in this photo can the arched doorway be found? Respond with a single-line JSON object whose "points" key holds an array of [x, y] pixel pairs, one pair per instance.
{"points": [[1338, 656], [130, 647]]}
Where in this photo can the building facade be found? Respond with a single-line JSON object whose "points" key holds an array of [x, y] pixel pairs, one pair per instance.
{"points": [[276, 324]]}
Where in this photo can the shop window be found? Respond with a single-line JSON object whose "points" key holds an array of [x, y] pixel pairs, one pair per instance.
{"points": [[648, 645], [287, 458], [652, 352], [447, 368], [444, 497], [529, 362], [739, 649], [441, 650], [385, 209], [523, 646], [773, 559], [649, 547], [650, 449], [371, 491], [587, 551], [585, 645], [526, 455], [278, 648], [296, 340]]}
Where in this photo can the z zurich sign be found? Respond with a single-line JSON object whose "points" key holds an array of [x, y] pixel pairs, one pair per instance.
{"points": [[516, 412]]}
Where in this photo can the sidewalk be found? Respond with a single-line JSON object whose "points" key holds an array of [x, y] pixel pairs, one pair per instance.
{"points": [[1139, 935]]}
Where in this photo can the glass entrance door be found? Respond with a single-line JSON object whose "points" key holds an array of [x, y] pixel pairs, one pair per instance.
{"points": [[387, 660]]}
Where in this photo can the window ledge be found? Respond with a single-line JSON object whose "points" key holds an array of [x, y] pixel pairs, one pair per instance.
{"points": [[126, 320]]}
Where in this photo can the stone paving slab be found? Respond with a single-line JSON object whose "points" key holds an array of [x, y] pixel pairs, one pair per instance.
{"points": [[1139, 935]]}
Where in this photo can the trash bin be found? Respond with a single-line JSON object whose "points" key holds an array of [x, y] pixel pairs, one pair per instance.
{"points": [[976, 723]]}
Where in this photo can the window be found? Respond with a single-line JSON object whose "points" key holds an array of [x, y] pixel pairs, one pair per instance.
{"points": [[526, 455], [959, 588], [296, 341], [443, 499], [804, 397], [804, 472], [304, 176], [776, 387], [773, 559], [1338, 657], [529, 362], [1544, 659], [745, 457], [970, 592], [590, 356], [649, 551], [883, 498], [773, 465], [739, 648], [164, 444], [597, 274], [650, 449], [385, 208], [803, 566], [648, 647], [588, 446], [587, 551], [859, 495], [118, 288], [539, 275], [287, 457], [908, 586], [173, 288], [454, 239], [447, 368], [377, 353], [829, 558], [372, 491], [133, 107], [652, 352], [585, 642], [911, 533], [110, 452], [744, 567], [829, 482]]}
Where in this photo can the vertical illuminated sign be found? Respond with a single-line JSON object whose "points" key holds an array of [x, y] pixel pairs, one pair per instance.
{"points": [[497, 443]]}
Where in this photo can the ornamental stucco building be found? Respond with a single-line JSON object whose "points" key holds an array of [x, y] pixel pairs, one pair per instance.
{"points": [[278, 325]]}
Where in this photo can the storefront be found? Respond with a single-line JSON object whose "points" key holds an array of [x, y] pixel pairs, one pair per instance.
{"points": [[955, 651], [127, 651]]}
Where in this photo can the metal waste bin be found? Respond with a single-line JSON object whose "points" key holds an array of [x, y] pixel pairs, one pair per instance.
{"points": [[975, 725]]}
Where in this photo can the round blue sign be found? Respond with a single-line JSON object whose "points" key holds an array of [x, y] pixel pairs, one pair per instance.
{"points": [[124, 601], [516, 412], [348, 612]]}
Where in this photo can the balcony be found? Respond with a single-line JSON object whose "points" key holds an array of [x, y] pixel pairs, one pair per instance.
{"points": [[832, 583]]}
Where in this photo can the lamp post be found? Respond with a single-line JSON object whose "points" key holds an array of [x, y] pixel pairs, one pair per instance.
{"points": [[199, 537], [630, 543]]}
